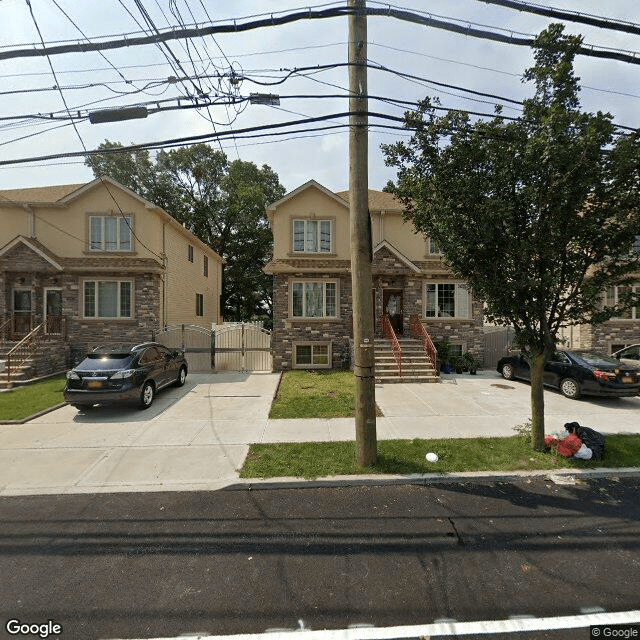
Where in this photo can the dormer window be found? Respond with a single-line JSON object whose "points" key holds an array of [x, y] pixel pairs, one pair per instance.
{"points": [[312, 236]]}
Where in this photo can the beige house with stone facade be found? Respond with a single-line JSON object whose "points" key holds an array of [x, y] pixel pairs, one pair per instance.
{"points": [[96, 263], [312, 280]]}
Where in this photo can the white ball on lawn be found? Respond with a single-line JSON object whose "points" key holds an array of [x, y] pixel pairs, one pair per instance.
{"points": [[432, 457]]}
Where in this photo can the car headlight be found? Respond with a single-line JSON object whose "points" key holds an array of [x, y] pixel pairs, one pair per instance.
{"points": [[121, 375], [72, 375]]}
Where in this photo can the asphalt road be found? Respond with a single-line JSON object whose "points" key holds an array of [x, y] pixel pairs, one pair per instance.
{"points": [[144, 565]]}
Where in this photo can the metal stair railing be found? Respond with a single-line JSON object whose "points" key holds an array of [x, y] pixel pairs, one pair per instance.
{"points": [[419, 332], [23, 350], [390, 335]]}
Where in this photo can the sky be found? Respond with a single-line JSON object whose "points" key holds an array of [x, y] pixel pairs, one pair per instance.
{"points": [[143, 74]]}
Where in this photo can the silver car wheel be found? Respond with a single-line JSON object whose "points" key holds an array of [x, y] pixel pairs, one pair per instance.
{"points": [[507, 371], [570, 388], [146, 397]]}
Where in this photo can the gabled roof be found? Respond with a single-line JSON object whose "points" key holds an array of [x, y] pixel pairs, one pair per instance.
{"points": [[398, 254], [304, 187], [378, 200], [38, 195], [61, 195], [35, 246]]}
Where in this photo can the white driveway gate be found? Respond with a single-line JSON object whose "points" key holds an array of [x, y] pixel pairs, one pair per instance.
{"points": [[195, 340], [242, 346]]}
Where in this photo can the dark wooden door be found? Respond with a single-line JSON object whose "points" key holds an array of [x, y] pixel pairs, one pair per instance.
{"points": [[392, 305]]}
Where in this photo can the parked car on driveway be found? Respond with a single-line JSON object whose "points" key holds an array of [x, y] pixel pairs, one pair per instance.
{"points": [[124, 373], [628, 355], [578, 372]]}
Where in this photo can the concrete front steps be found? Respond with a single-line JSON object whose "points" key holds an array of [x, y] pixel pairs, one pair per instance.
{"points": [[416, 364], [38, 365]]}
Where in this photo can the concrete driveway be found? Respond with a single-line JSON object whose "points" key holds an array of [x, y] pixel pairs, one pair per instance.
{"points": [[487, 405], [194, 437], [197, 436]]}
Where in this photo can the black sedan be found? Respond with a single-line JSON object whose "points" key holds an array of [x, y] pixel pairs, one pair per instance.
{"points": [[124, 373], [578, 372]]}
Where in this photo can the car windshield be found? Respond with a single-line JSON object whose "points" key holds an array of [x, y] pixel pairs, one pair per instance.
{"points": [[101, 361], [596, 359]]}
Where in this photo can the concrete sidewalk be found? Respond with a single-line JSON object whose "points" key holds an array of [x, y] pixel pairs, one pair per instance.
{"points": [[196, 437]]}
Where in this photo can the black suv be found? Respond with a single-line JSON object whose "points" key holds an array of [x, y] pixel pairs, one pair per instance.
{"points": [[121, 372]]}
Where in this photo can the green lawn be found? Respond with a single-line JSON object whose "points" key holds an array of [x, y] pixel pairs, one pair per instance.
{"points": [[318, 459], [23, 402], [316, 394]]}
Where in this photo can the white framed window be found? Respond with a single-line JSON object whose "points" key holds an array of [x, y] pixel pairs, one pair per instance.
{"points": [[447, 300], [613, 297], [314, 299], [107, 298], [434, 249], [110, 233], [312, 355], [190, 253], [312, 236]]}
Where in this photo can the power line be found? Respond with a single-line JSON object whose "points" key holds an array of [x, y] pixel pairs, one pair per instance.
{"points": [[498, 35], [571, 16]]}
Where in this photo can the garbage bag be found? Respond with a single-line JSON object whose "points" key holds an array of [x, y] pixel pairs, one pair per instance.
{"points": [[584, 453], [567, 447], [592, 438]]}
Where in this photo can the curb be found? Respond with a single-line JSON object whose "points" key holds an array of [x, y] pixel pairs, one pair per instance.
{"points": [[250, 484]]}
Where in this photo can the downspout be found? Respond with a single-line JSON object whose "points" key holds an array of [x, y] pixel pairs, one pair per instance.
{"points": [[32, 220], [164, 276]]}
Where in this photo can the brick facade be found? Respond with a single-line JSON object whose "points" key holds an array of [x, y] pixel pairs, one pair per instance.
{"points": [[22, 268], [288, 331]]}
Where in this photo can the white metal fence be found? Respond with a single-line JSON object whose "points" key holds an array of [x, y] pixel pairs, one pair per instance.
{"points": [[196, 342], [242, 346]]}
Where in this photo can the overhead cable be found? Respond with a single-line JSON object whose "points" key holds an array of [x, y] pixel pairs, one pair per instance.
{"points": [[571, 16], [507, 37]]}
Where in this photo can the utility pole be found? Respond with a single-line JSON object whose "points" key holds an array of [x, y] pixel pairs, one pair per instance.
{"points": [[361, 283]]}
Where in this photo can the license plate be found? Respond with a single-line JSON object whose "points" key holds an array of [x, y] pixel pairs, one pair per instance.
{"points": [[627, 379], [94, 384]]}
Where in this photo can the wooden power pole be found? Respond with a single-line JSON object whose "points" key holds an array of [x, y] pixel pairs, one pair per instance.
{"points": [[361, 283]]}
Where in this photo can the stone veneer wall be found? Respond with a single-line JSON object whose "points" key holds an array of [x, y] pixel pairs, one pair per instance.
{"points": [[467, 332], [614, 332], [83, 334], [287, 331], [87, 333]]}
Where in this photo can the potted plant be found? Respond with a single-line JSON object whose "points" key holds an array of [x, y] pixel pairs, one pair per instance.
{"points": [[443, 347], [471, 363], [459, 364]]}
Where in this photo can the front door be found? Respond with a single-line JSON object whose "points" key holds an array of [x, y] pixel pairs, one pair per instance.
{"points": [[392, 306], [21, 311], [53, 310]]}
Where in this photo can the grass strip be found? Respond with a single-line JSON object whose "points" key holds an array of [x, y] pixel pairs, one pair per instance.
{"points": [[319, 459], [22, 402], [316, 394]]}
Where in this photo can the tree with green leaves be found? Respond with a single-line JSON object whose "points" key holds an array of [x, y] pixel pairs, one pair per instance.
{"points": [[539, 215], [222, 202]]}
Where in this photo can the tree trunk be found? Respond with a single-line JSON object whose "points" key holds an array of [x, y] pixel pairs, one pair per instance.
{"points": [[537, 398]]}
